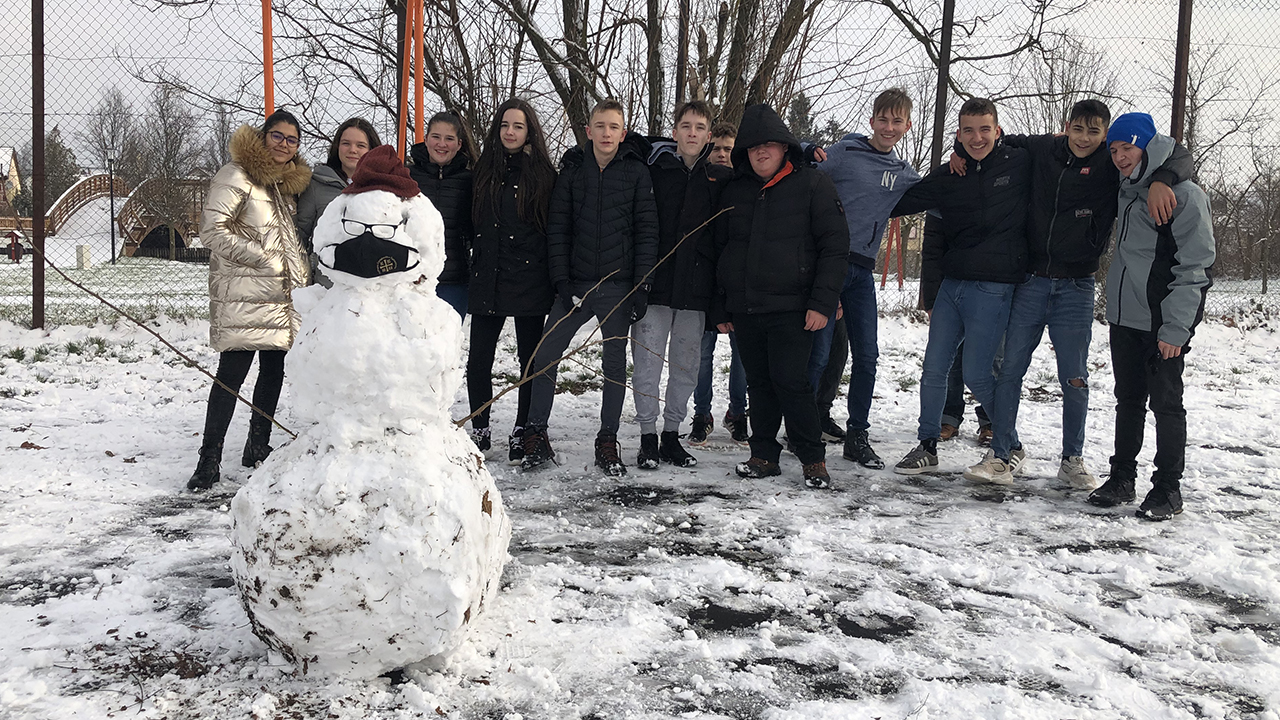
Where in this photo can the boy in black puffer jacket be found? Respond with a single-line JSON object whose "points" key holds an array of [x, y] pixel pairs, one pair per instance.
{"points": [[602, 230], [782, 247]]}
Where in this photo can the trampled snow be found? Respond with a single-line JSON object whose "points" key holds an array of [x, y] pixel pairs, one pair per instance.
{"points": [[675, 593]]}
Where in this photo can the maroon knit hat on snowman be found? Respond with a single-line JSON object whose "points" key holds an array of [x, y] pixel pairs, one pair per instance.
{"points": [[382, 169]]}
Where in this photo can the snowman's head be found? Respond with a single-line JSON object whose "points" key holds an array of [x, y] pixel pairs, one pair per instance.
{"points": [[380, 229]]}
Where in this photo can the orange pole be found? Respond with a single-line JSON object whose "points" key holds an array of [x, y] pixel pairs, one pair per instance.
{"points": [[403, 119], [897, 233], [268, 63], [419, 44]]}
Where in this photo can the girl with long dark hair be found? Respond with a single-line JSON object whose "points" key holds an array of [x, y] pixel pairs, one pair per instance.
{"points": [[514, 178]]}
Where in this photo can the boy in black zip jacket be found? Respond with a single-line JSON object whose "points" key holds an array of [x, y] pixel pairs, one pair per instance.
{"points": [[782, 247], [686, 188], [1073, 206], [602, 228], [968, 274]]}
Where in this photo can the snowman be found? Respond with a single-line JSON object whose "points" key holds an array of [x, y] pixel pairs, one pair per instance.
{"points": [[373, 539]]}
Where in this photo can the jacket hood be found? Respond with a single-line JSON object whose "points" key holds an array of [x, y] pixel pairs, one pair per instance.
{"points": [[761, 124], [863, 142], [1155, 155], [250, 152], [327, 176], [422, 158], [665, 150]]}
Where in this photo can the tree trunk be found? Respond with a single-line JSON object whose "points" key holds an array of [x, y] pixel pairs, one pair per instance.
{"points": [[575, 38], [788, 28], [653, 69]]}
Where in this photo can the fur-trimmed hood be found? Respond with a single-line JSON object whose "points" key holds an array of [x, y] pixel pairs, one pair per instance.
{"points": [[250, 152]]}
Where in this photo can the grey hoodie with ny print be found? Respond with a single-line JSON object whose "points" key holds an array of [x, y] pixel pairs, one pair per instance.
{"points": [[1159, 275]]}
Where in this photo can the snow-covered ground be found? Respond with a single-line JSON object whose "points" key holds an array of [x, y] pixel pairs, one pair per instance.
{"points": [[673, 593]]}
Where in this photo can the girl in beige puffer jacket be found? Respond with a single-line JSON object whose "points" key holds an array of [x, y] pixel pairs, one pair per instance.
{"points": [[255, 263]]}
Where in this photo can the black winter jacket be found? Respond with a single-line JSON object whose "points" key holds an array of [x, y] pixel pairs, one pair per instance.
{"points": [[603, 220], [782, 246], [509, 275], [1073, 203], [449, 189], [686, 198], [984, 219]]}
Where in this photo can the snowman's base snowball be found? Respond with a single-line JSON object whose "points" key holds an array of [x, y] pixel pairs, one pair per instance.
{"points": [[357, 561]]}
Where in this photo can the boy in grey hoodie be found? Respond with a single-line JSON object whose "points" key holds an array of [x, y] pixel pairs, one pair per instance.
{"points": [[1156, 289]]}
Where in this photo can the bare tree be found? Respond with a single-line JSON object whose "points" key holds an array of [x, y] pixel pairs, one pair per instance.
{"points": [[1060, 72], [110, 130]]}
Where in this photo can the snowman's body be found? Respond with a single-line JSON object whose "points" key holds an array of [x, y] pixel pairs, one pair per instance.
{"points": [[375, 537]]}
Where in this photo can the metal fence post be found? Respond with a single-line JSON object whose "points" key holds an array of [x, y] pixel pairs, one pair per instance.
{"points": [[37, 162], [1181, 65]]}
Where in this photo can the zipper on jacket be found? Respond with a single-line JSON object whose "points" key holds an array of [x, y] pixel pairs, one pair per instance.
{"points": [[1124, 230], [1057, 199], [599, 211]]}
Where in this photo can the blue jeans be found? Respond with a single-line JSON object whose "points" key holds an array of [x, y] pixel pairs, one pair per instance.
{"points": [[455, 294], [1065, 306], [953, 411], [737, 377], [858, 298], [975, 312]]}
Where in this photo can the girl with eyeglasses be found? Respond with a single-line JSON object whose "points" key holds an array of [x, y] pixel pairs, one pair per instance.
{"points": [[353, 139], [255, 263]]}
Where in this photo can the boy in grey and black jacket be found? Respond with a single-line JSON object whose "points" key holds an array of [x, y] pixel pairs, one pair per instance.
{"points": [[1156, 290]]}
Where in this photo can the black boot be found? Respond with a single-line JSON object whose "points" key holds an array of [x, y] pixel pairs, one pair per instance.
{"points": [[647, 458], [672, 452], [857, 447], [1117, 490], [256, 448], [608, 457], [1163, 502], [207, 469]]}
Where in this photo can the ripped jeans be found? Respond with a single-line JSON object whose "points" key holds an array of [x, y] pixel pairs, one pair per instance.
{"points": [[1065, 306]]}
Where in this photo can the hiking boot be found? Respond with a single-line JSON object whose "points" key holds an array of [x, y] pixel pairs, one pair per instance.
{"points": [[990, 470], [737, 427], [607, 458], [831, 432], [480, 436], [1160, 504], [984, 436], [1017, 458], [207, 468], [670, 451], [537, 449], [756, 468], [858, 449], [949, 431], [919, 460], [1117, 490], [256, 448], [1073, 472], [702, 427], [647, 459], [816, 476], [515, 446]]}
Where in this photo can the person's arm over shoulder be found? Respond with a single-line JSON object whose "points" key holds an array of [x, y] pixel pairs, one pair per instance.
{"points": [[1180, 166], [1192, 230], [222, 219], [645, 222], [924, 195], [831, 235], [560, 226], [933, 246], [1028, 142]]}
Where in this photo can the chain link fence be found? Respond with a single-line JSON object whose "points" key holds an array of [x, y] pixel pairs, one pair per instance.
{"points": [[142, 96]]}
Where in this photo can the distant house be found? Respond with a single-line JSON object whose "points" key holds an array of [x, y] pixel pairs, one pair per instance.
{"points": [[9, 177]]}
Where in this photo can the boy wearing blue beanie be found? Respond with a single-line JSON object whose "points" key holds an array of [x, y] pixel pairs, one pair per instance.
{"points": [[1156, 289]]}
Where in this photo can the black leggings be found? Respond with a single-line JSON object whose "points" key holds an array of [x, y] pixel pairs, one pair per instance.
{"points": [[485, 330], [233, 366]]}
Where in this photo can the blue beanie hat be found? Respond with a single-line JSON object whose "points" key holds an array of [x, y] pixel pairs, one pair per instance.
{"points": [[1134, 128]]}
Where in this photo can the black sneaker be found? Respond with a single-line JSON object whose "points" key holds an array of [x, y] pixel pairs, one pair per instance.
{"points": [[832, 432], [1117, 490], [670, 451], [737, 427], [480, 436], [757, 468], [607, 457], [537, 449], [858, 449], [816, 476], [702, 427], [1160, 504], [647, 459], [515, 446]]}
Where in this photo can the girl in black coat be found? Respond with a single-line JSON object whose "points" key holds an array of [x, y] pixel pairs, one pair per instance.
{"points": [[509, 276], [441, 169]]}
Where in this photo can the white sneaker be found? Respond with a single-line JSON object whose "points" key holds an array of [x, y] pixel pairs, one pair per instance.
{"points": [[1074, 473], [991, 470], [1017, 458]]}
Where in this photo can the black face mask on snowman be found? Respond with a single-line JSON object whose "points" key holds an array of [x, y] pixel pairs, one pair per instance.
{"points": [[370, 252]]}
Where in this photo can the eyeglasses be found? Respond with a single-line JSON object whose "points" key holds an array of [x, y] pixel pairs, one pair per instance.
{"points": [[356, 228], [279, 137]]}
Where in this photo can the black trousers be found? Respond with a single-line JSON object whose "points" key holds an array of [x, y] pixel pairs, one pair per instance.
{"points": [[233, 367], [775, 351], [1142, 377], [485, 330]]}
